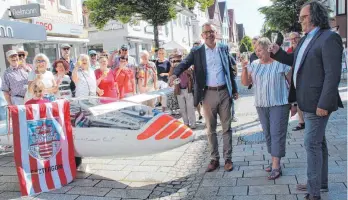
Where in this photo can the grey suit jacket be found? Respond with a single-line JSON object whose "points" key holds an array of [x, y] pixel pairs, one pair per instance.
{"points": [[197, 57], [319, 73]]}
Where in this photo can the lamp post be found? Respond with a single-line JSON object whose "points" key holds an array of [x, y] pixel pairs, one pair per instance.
{"points": [[188, 23]]}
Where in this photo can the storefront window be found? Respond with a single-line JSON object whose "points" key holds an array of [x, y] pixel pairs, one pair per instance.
{"points": [[65, 5], [50, 50], [341, 7]]}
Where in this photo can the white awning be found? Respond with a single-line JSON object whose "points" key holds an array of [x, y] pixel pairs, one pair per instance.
{"points": [[173, 45], [66, 39]]}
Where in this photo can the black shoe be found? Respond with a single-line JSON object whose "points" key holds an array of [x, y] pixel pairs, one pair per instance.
{"points": [[309, 197], [200, 117], [300, 126]]}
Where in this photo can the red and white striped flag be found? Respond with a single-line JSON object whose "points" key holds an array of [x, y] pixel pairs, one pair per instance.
{"points": [[43, 146]]}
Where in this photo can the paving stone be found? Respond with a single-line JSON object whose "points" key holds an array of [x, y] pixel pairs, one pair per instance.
{"points": [[96, 160], [84, 182], [143, 185], [293, 189], [142, 168], [335, 178], [333, 196], [337, 188], [255, 173], [294, 171], [8, 171], [121, 193], [286, 197], [146, 177], [214, 198], [207, 191], [111, 184], [82, 175], [250, 168], [106, 167], [96, 198], [159, 163], [14, 196], [9, 179], [56, 196], [219, 182], [233, 174], [238, 190], [254, 181], [12, 187], [286, 180], [90, 191], [125, 162], [109, 175], [62, 190], [269, 189], [214, 174], [254, 158], [260, 162], [259, 197]]}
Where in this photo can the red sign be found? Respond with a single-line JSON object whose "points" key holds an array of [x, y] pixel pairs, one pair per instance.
{"points": [[48, 26]]}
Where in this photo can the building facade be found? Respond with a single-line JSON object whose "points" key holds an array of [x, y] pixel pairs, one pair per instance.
{"points": [[199, 19], [215, 19], [241, 31], [233, 34], [61, 22], [225, 22]]}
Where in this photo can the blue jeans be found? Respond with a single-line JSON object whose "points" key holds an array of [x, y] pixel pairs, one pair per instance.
{"points": [[317, 152]]}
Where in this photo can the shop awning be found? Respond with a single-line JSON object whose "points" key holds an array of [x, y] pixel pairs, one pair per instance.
{"points": [[173, 45], [13, 32], [66, 39]]}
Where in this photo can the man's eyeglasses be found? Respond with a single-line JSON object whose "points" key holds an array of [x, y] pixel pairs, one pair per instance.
{"points": [[124, 49], [104, 55], [93, 55], [66, 49], [40, 61], [303, 17], [21, 55], [209, 32], [294, 38]]}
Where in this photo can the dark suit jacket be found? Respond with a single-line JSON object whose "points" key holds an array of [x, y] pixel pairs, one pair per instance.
{"points": [[319, 72], [197, 58]]}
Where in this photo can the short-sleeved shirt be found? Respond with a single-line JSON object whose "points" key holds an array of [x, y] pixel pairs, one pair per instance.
{"points": [[125, 79], [87, 83], [147, 72], [47, 78], [162, 67], [132, 63], [270, 83], [107, 84], [14, 80]]}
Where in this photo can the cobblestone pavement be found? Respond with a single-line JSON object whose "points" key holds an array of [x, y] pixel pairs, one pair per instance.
{"points": [[179, 173]]}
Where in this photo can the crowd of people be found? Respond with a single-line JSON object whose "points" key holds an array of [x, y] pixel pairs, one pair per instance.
{"points": [[115, 76], [304, 80]]}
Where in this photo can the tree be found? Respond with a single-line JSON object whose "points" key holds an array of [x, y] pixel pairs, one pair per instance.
{"points": [[246, 45], [155, 12], [283, 15]]}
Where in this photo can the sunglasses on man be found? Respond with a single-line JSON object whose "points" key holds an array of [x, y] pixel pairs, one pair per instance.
{"points": [[175, 61], [66, 49], [93, 55], [21, 55]]}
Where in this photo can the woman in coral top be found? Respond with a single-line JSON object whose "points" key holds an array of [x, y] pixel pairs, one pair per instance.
{"points": [[125, 78], [106, 79]]}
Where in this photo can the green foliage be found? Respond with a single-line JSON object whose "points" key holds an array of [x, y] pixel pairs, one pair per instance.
{"points": [[155, 12], [246, 45], [283, 15]]}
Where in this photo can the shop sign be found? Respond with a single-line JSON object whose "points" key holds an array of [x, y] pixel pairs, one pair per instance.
{"points": [[20, 30], [57, 28], [25, 11]]}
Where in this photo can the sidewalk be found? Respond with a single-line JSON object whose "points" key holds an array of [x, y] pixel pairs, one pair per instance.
{"points": [[179, 174]]}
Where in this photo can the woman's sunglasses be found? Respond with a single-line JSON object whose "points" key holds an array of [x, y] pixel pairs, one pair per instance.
{"points": [[175, 61], [40, 61], [21, 55]]}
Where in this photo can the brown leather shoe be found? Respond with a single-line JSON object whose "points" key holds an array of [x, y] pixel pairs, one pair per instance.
{"points": [[213, 165], [228, 165]]}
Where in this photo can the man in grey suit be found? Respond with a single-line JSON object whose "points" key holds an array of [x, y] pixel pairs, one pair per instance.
{"points": [[214, 84], [316, 76]]}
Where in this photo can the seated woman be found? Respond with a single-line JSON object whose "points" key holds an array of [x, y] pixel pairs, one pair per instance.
{"points": [[84, 78], [61, 67], [125, 78], [106, 79], [37, 88], [39, 72], [270, 78]]}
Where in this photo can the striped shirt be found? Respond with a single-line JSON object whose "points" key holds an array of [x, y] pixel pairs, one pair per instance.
{"points": [[14, 81], [270, 83]]}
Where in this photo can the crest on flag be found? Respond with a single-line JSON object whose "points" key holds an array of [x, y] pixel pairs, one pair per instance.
{"points": [[44, 138]]}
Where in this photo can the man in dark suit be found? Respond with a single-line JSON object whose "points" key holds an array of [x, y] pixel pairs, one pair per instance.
{"points": [[316, 65], [214, 84]]}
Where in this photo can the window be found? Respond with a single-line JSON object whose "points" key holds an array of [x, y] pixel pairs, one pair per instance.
{"points": [[41, 2], [341, 7], [65, 5]]}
